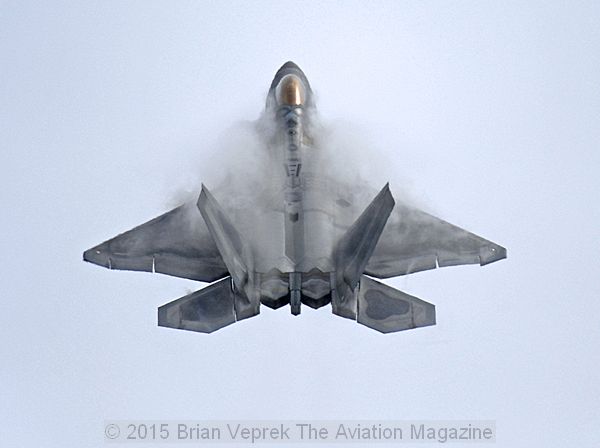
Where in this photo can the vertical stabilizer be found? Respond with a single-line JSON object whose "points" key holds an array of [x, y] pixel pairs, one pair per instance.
{"points": [[234, 252], [354, 249]]}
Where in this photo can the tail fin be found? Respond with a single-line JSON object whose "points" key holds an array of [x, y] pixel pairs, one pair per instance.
{"points": [[353, 251], [229, 242], [207, 310]]}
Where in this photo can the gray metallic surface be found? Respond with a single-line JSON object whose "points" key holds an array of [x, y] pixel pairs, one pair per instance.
{"points": [[386, 309], [177, 243], [234, 252], [300, 236], [416, 241], [354, 249], [205, 311], [208, 309]]}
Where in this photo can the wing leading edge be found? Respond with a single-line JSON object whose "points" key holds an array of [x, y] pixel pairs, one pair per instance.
{"points": [[415, 241], [176, 243]]}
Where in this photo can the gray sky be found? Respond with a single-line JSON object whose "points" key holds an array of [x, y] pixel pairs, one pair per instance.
{"points": [[487, 112]]}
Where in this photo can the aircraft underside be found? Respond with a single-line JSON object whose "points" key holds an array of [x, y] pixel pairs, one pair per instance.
{"points": [[295, 235]]}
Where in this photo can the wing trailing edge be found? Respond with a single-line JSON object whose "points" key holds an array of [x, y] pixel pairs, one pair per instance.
{"points": [[415, 241], [176, 243]]}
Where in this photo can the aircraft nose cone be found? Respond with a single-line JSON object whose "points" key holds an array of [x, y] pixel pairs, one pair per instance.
{"points": [[298, 93], [288, 67], [289, 64]]}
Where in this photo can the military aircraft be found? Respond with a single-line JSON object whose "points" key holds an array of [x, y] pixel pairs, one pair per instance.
{"points": [[306, 239]]}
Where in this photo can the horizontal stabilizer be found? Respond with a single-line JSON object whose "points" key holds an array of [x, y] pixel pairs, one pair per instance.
{"points": [[386, 309], [207, 310]]}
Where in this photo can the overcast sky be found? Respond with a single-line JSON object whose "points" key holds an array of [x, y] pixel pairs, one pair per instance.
{"points": [[487, 113]]}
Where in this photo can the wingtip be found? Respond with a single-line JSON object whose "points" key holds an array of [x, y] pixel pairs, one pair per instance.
{"points": [[95, 255], [491, 254], [88, 255]]}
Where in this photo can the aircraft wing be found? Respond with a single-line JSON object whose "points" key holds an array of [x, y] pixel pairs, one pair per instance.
{"points": [[177, 243], [415, 241]]}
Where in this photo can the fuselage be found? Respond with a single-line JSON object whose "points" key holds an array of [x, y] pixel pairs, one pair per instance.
{"points": [[304, 259]]}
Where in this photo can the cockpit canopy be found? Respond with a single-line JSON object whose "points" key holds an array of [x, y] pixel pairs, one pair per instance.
{"points": [[290, 91]]}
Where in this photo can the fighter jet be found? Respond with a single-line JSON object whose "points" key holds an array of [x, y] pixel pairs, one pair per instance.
{"points": [[305, 239]]}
